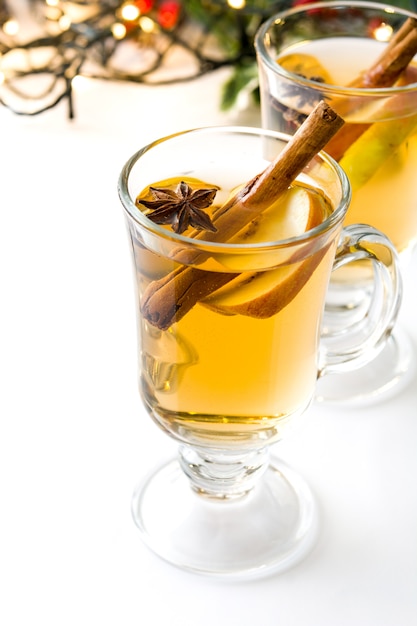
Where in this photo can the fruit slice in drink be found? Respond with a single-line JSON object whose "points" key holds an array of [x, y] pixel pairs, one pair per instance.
{"points": [[263, 294], [306, 65], [200, 270], [295, 212]]}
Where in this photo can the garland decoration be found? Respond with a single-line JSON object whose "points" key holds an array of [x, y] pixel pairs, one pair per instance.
{"points": [[46, 44]]}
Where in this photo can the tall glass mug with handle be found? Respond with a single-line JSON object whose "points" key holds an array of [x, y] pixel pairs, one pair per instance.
{"points": [[231, 283], [358, 57]]}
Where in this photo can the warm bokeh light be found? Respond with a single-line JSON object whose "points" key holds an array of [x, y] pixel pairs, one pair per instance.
{"points": [[168, 13], [147, 25], [118, 30], [383, 32], [144, 6], [11, 27], [129, 12], [236, 4]]}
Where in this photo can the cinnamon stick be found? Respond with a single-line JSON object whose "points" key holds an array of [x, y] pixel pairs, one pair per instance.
{"points": [[382, 74], [167, 300], [408, 26], [396, 56]]}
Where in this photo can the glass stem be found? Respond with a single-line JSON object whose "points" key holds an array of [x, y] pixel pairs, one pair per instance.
{"points": [[223, 474]]}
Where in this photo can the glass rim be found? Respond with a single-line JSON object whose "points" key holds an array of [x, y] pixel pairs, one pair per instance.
{"points": [[138, 216], [374, 92]]}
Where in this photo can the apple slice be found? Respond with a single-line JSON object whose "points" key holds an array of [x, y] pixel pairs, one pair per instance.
{"points": [[263, 294], [366, 155], [296, 211]]}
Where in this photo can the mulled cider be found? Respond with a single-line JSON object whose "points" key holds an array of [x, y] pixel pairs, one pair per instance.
{"points": [[230, 316], [350, 57]]}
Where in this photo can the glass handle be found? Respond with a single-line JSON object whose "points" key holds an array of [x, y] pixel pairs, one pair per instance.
{"points": [[353, 332]]}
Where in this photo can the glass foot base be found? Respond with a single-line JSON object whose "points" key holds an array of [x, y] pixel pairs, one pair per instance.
{"points": [[387, 375], [268, 530]]}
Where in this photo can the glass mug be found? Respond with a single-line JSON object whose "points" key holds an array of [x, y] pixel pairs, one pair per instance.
{"points": [[310, 53], [229, 377]]}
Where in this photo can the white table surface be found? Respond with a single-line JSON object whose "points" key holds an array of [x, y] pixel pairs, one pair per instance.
{"points": [[74, 438]]}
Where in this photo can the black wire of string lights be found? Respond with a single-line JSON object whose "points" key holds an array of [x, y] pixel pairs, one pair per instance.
{"points": [[45, 44]]}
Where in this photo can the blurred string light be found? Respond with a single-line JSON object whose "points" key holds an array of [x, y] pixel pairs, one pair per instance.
{"points": [[55, 41], [383, 32]]}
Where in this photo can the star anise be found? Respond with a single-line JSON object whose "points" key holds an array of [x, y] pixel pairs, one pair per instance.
{"points": [[181, 208], [303, 97]]}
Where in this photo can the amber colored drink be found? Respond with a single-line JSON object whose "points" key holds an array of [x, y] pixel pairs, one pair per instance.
{"points": [[243, 360], [382, 162]]}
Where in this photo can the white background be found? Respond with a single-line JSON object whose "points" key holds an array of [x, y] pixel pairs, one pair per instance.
{"points": [[74, 438]]}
